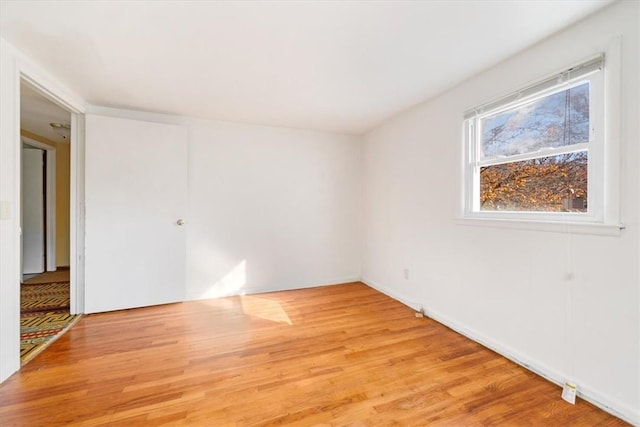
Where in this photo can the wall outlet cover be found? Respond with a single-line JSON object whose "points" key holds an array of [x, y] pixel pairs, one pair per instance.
{"points": [[569, 393], [5, 210]]}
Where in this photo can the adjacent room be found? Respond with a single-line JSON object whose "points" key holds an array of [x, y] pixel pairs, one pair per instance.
{"points": [[45, 283], [320, 213]]}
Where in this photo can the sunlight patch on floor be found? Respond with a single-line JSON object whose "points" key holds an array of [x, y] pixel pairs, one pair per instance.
{"points": [[264, 309]]}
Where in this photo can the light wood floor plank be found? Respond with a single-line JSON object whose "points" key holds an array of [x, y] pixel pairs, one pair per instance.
{"points": [[335, 355]]}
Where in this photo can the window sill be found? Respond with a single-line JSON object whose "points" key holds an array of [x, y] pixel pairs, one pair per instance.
{"points": [[548, 226]]}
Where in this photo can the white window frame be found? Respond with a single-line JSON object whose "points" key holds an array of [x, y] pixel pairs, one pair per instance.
{"points": [[592, 71]]}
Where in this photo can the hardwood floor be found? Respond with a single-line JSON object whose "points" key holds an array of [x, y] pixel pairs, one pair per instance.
{"points": [[337, 355]]}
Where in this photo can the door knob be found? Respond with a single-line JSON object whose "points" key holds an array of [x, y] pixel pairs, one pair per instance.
{"points": [[180, 222]]}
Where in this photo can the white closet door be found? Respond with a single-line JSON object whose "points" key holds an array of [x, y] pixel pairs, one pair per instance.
{"points": [[32, 210], [136, 198]]}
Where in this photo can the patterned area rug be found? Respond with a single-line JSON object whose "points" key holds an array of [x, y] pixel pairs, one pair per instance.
{"points": [[44, 316], [60, 275]]}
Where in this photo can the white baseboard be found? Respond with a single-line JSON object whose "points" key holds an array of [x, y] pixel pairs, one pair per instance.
{"points": [[251, 290], [331, 282], [395, 295], [617, 409]]}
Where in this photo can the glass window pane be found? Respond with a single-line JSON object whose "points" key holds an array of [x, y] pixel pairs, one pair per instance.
{"points": [[550, 184], [554, 121]]}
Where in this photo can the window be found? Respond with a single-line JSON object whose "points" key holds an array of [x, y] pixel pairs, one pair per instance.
{"points": [[538, 154]]}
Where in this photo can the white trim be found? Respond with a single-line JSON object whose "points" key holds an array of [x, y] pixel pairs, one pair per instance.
{"points": [[555, 227], [251, 290], [617, 409], [77, 213], [31, 75], [36, 77], [16, 67], [393, 294], [36, 144], [612, 135], [51, 211], [603, 216], [50, 202], [593, 148], [547, 152]]}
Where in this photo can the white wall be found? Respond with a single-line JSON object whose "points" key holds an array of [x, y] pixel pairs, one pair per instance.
{"points": [[512, 289], [10, 220], [269, 208], [284, 205]]}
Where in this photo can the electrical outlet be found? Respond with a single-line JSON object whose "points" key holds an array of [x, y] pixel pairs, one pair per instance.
{"points": [[5, 209], [406, 274], [569, 393]]}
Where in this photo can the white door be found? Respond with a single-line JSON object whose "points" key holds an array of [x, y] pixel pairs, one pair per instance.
{"points": [[32, 210], [136, 196]]}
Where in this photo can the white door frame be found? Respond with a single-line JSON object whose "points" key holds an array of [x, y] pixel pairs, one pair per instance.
{"points": [[76, 257], [50, 202], [16, 67], [32, 78]]}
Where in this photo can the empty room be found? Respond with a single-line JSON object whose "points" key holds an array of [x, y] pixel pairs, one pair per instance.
{"points": [[320, 213]]}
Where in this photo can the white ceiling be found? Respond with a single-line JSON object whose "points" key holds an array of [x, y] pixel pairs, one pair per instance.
{"points": [[325, 65], [37, 112]]}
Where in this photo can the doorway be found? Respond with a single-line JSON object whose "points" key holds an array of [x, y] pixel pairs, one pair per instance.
{"points": [[45, 289], [34, 215]]}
